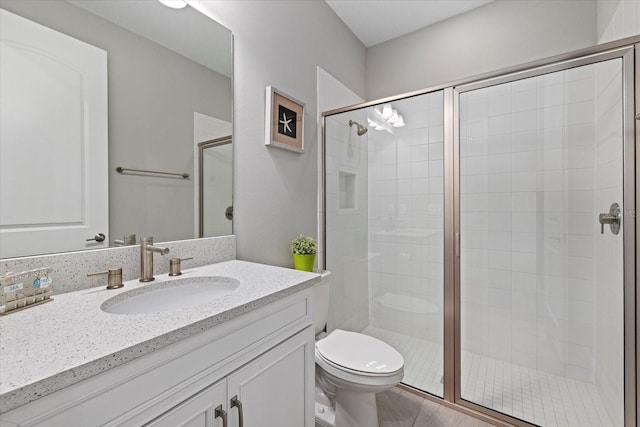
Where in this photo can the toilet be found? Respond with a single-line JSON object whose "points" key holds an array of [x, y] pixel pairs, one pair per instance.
{"points": [[350, 369]]}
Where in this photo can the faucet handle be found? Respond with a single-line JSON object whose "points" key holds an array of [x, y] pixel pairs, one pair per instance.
{"points": [[114, 278], [175, 266]]}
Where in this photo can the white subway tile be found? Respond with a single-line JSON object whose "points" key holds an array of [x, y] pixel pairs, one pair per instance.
{"points": [[581, 289], [500, 279], [581, 356], [553, 138], [499, 240], [524, 222], [554, 159], [436, 134], [498, 182], [581, 134], [436, 168], [498, 125], [499, 144], [417, 169], [581, 267], [498, 221], [581, 333], [523, 181], [524, 121], [500, 260], [499, 103], [524, 262], [581, 179], [524, 100], [419, 136], [499, 202], [525, 283], [524, 242], [499, 163], [524, 161], [580, 201], [420, 153]]}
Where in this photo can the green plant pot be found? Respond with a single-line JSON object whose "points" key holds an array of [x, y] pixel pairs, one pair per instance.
{"points": [[304, 262]]}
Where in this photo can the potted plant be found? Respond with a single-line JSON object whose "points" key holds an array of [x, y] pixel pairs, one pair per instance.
{"points": [[304, 250]]}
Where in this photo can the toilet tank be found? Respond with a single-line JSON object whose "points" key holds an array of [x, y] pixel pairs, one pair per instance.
{"points": [[321, 296]]}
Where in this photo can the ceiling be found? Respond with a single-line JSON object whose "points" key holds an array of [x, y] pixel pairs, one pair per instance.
{"points": [[376, 21], [181, 30]]}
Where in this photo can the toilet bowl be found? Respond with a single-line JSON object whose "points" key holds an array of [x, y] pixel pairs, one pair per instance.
{"points": [[350, 369]]}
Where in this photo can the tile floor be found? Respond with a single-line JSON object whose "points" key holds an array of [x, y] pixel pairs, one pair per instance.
{"points": [[538, 397], [400, 408]]}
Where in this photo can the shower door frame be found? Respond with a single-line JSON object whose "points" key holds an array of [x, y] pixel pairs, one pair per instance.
{"points": [[629, 50], [629, 56]]}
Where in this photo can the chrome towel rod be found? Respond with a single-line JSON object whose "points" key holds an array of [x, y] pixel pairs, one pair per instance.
{"points": [[120, 169]]}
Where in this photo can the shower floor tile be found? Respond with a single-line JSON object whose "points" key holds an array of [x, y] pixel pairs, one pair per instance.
{"points": [[538, 397]]}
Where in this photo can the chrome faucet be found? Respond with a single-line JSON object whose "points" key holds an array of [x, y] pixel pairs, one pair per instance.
{"points": [[146, 258]]}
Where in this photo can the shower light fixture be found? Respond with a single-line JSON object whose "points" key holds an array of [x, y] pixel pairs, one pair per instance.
{"points": [[174, 4], [387, 111], [388, 115]]}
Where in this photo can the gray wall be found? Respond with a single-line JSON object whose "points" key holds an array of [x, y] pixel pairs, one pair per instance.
{"points": [[500, 34], [153, 93], [280, 43]]}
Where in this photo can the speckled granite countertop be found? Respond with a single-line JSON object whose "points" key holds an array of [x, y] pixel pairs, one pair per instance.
{"points": [[46, 348]]}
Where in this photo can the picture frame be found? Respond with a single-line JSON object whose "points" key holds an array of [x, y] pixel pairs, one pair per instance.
{"points": [[284, 120]]}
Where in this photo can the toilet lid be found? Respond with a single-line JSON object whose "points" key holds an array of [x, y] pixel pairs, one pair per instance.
{"points": [[359, 352]]}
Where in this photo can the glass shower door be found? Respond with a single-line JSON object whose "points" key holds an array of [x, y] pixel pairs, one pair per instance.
{"points": [[541, 280], [384, 229]]}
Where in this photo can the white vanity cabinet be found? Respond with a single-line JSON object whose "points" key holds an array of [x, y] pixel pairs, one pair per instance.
{"points": [[271, 391], [264, 358]]}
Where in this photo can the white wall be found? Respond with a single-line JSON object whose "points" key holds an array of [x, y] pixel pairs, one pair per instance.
{"points": [[500, 34], [280, 43], [618, 19]]}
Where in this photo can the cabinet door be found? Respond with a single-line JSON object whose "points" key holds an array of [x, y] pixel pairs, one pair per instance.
{"points": [[197, 411], [276, 389]]}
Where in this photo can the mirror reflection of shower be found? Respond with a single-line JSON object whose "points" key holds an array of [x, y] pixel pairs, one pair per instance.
{"points": [[360, 130]]}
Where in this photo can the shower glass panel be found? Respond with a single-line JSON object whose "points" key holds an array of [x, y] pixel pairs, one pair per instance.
{"points": [[215, 184], [541, 288], [384, 229]]}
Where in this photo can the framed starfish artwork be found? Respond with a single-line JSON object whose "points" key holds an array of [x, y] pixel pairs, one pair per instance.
{"points": [[284, 121]]}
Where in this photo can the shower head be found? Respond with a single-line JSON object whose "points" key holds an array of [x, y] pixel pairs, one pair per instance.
{"points": [[361, 130]]}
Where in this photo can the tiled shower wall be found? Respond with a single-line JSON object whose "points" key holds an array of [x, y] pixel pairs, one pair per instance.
{"points": [[529, 222], [346, 221], [406, 221]]}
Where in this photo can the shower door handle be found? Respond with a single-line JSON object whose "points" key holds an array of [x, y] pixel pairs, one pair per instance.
{"points": [[612, 218]]}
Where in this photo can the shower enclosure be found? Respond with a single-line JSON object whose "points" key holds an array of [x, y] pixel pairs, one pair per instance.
{"points": [[487, 230]]}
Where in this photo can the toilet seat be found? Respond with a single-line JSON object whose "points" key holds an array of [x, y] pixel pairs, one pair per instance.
{"points": [[358, 354]]}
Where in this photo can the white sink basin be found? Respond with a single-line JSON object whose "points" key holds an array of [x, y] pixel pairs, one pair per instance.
{"points": [[171, 295]]}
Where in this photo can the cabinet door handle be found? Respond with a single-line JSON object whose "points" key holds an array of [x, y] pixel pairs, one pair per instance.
{"points": [[221, 413], [235, 403]]}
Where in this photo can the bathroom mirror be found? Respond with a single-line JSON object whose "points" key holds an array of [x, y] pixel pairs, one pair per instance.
{"points": [[168, 88]]}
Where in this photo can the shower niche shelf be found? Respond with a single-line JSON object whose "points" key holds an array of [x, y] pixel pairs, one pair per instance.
{"points": [[346, 190]]}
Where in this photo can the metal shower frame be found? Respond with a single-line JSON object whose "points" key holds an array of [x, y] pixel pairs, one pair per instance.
{"points": [[628, 50]]}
